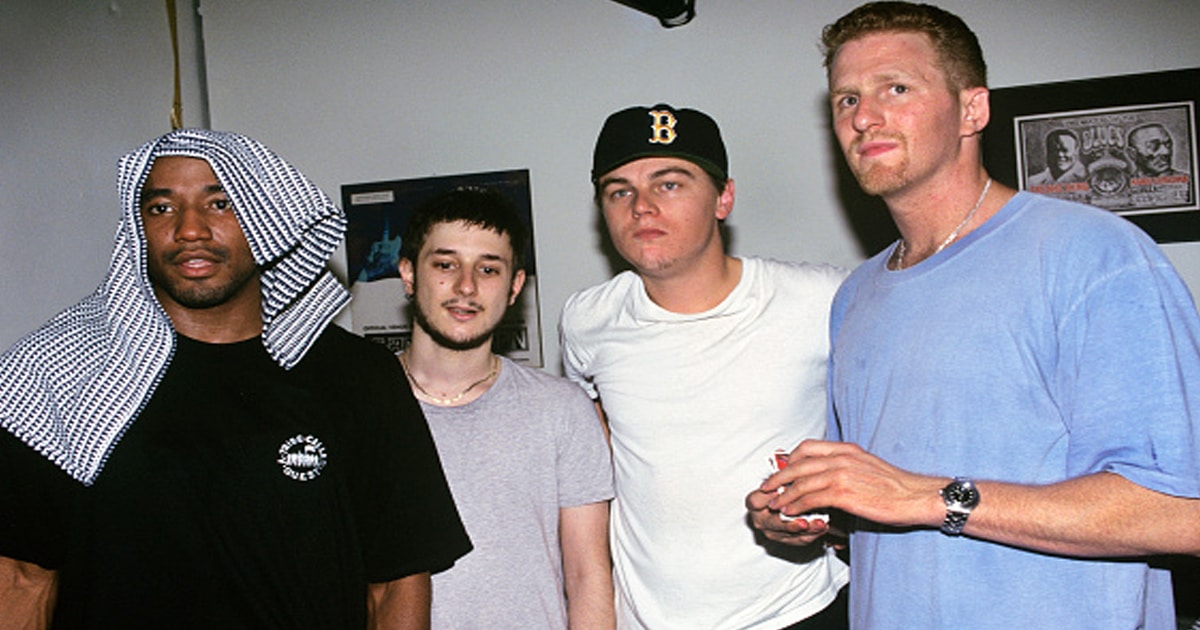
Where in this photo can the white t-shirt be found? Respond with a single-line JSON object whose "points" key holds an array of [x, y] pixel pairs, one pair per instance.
{"points": [[696, 404]]}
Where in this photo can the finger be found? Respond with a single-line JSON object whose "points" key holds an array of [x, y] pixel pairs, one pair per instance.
{"points": [[822, 448], [758, 500]]}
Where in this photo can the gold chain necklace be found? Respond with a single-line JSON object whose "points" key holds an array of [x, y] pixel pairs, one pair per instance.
{"points": [[901, 249], [449, 401]]}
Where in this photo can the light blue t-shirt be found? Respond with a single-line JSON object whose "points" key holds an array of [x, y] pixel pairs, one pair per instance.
{"points": [[1054, 341]]}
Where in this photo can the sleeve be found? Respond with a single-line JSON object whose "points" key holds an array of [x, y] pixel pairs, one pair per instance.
{"points": [[584, 461], [35, 503], [837, 311], [1129, 371], [574, 357], [409, 522]]}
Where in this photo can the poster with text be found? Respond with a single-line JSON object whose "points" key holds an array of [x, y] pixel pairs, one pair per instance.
{"points": [[377, 213]]}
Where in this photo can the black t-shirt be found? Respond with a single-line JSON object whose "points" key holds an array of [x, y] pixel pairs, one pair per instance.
{"points": [[243, 496]]}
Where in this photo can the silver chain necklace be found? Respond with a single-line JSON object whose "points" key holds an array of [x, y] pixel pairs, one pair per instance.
{"points": [[449, 401], [901, 249]]}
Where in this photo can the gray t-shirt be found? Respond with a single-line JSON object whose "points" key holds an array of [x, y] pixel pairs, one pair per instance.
{"points": [[532, 444]]}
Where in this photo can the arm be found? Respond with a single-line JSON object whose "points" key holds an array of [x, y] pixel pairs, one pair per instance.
{"points": [[603, 421], [27, 595], [587, 568], [401, 604], [1096, 515]]}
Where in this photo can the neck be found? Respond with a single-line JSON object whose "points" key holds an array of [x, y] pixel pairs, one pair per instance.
{"points": [[444, 373], [932, 217], [701, 289], [225, 323]]}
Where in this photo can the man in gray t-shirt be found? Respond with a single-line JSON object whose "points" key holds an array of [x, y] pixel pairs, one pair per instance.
{"points": [[524, 451]]}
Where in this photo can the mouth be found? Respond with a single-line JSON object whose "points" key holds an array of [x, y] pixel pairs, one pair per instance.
{"points": [[648, 234], [195, 263], [874, 148], [462, 312]]}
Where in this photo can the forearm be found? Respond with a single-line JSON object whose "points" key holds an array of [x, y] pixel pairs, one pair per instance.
{"points": [[401, 604], [1093, 516], [27, 595], [590, 602], [1096, 515], [587, 567]]}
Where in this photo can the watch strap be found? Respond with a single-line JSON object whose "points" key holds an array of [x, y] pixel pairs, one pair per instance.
{"points": [[961, 496], [955, 522]]}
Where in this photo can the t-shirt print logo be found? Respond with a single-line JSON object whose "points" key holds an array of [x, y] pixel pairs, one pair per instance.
{"points": [[302, 457]]}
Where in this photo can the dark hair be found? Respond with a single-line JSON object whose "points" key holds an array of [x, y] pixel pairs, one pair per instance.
{"points": [[485, 208], [958, 50], [1061, 132], [1140, 128]]}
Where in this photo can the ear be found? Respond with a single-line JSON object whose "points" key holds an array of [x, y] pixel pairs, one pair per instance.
{"points": [[725, 200], [407, 274], [518, 283], [976, 108]]}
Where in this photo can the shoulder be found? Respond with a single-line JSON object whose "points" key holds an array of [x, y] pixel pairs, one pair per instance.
{"points": [[336, 341], [527, 379], [614, 289], [1057, 224], [340, 354], [805, 278], [599, 302]]}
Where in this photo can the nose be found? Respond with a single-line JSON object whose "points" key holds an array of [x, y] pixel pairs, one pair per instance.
{"points": [[465, 283], [192, 225], [643, 204], [866, 115]]}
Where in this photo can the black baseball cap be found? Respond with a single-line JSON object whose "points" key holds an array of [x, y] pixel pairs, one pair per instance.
{"points": [[660, 131]]}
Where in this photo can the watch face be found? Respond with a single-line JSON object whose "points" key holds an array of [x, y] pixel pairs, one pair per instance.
{"points": [[961, 492]]}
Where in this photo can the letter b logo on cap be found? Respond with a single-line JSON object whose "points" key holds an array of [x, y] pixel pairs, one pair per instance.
{"points": [[663, 127]]}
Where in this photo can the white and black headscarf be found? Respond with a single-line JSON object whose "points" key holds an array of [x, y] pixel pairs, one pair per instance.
{"points": [[70, 388]]}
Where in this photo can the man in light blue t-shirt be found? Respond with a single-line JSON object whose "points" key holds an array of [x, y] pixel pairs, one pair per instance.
{"points": [[1015, 381]]}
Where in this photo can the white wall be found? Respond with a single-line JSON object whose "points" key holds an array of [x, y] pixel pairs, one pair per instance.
{"points": [[362, 90], [81, 83]]}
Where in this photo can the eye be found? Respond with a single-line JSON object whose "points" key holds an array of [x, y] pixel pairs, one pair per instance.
{"points": [[670, 185], [899, 88], [846, 101], [222, 204], [442, 265], [618, 194], [155, 209]]}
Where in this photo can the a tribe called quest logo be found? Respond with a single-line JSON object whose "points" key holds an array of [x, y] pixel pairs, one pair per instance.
{"points": [[302, 457]]}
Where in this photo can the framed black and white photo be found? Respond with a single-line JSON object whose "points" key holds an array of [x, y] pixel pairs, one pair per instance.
{"points": [[1125, 144]]}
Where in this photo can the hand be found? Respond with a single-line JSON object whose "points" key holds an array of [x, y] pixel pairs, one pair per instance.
{"points": [[841, 475], [793, 532]]}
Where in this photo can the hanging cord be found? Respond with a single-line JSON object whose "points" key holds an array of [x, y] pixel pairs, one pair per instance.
{"points": [[177, 105]]}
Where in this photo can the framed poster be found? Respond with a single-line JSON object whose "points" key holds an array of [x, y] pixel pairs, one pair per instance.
{"points": [[377, 213], [1125, 143]]}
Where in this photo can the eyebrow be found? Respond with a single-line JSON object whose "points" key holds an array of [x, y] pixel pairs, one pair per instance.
{"points": [[663, 172], [447, 251], [880, 78], [150, 193]]}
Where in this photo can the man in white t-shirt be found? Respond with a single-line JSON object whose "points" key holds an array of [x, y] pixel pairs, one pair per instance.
{"points": [[704, 364]]}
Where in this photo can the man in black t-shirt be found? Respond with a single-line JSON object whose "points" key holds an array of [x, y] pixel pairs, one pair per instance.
{"points": [[193, 446]]}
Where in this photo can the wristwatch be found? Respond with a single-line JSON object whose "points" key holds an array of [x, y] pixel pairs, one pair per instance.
{"points": [[961, 496]]}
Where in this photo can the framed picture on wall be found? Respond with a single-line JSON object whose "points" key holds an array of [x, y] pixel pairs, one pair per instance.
{"points": [[1125, 144], [377, 213]]}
